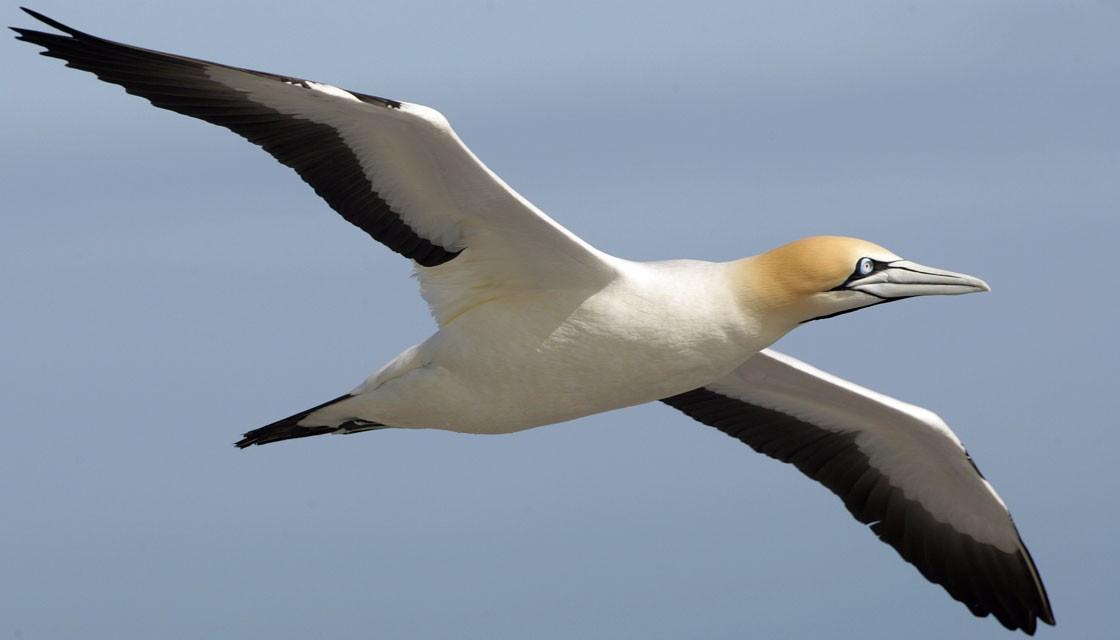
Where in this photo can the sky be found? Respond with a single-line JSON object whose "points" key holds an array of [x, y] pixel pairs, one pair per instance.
{"points": [[166, 287]]}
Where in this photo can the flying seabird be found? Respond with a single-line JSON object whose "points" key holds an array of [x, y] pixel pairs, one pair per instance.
{"points": [[537, 326]]}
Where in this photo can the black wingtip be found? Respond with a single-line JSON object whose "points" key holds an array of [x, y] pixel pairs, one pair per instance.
{"points": [[28, 35], [52, 22]]}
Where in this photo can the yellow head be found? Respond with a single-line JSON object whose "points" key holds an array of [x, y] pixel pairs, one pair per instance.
{"points": [[823, 276]]}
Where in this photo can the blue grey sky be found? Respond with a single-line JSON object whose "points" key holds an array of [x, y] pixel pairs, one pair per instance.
{"points": [[166, 286]]}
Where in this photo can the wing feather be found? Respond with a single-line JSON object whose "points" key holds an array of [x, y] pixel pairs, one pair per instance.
{"points": [[897, 467], [396, 170]]}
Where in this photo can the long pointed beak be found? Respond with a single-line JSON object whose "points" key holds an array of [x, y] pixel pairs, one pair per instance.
{"points": [[905, 279]]}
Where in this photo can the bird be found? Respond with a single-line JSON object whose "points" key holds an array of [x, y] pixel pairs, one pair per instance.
{"points": [[537, 326]]}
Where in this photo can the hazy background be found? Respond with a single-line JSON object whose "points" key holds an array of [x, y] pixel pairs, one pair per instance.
{"points": [[165, 286]]}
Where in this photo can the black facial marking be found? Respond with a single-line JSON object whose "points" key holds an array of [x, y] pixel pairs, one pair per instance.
{"points": [[876, 267], [840, 313]]}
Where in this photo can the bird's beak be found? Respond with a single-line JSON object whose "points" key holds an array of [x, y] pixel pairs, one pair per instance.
{"points": [[905, 279]]}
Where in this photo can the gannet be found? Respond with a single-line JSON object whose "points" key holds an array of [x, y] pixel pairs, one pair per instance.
{"points": [[536, 326]]}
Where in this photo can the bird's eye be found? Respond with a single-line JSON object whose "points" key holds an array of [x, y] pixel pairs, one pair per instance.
{"points": [[865, 266]]}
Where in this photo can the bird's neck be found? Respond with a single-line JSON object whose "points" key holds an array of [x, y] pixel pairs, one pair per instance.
{"points": [[766, 291]]}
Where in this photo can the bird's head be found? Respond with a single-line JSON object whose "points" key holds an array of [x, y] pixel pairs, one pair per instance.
{"points": [[824, 276]]}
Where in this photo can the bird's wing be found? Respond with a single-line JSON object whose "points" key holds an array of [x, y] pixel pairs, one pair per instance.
{"points": [[896, 466], [395, 170]]}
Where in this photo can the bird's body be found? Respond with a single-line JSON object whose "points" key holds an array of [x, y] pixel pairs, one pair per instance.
{"points": [[507, 364], [536, 326]]}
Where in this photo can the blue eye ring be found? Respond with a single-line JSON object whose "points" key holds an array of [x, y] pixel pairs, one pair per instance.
{"points": [[865, 266]]}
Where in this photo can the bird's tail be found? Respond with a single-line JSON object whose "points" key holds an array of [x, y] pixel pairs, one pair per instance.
{"points": [[290, 427]]}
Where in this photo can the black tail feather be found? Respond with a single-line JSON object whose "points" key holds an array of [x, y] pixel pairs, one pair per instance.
{"points": [[287, 428]]}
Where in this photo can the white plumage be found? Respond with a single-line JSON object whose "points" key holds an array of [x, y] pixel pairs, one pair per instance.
{"points": [[531, 357]]}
